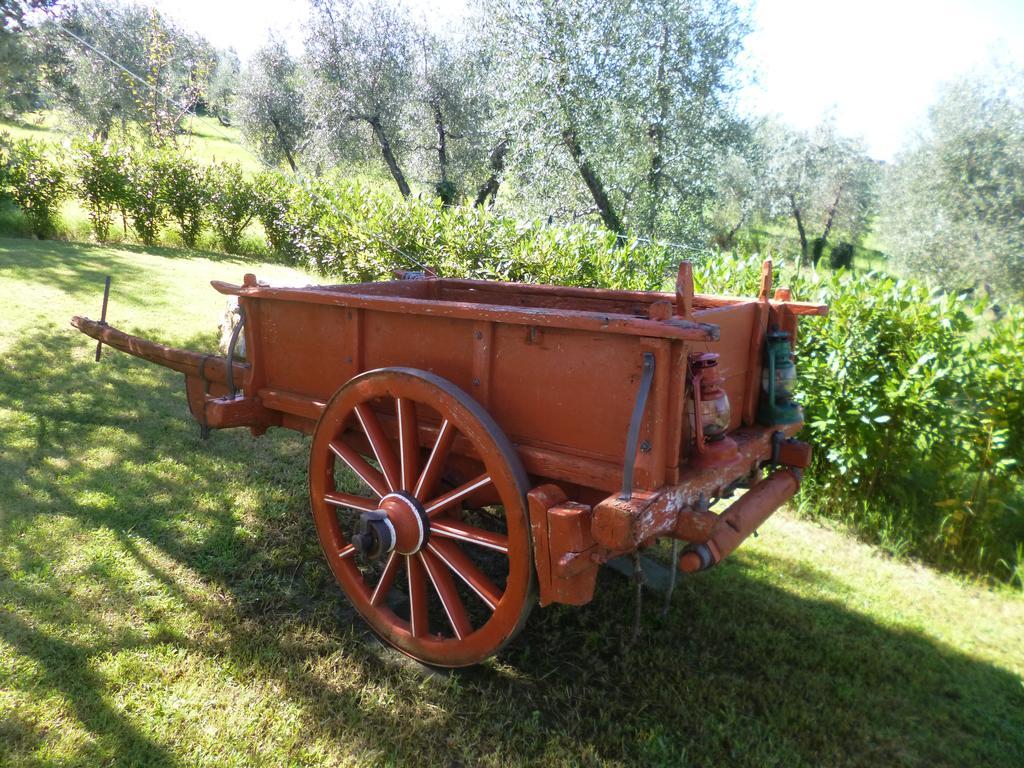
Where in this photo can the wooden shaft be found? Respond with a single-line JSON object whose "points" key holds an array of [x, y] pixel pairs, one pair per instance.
{"points": [[213, 367]]}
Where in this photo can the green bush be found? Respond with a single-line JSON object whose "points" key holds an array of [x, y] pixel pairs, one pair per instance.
{"points": [[914, 401], [273, 193], [345, 230], [6, 144], [233, 203], [36, 184], [103, 182], [185, 194], [144, 197]]}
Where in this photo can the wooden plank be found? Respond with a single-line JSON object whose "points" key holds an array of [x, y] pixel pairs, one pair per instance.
{"points": [[603, 322]]}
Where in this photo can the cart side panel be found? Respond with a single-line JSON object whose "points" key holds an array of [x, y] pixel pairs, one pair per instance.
{"points": [[441, 345], [306, 349], [565, 389]]}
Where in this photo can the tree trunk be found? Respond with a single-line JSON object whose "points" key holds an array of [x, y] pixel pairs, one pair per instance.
{"points": [[284, 144], [799, 228], [389, 156], [594, 184], [489, 189], [442, 142], [656, 132], [832, 214]]}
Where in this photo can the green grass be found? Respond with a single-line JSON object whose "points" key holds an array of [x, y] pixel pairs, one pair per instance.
{"points": [[204, 139], [163, 600], [782, 240]]}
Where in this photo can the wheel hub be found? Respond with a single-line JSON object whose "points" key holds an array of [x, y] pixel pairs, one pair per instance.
{"points": [[399, 524]]}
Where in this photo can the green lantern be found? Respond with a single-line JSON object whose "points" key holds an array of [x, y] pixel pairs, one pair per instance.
{"points": [[778, 382]]}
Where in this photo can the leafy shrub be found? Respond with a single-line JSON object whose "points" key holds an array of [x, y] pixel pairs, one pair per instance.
{"points": [[914, 401], [102, 182], [185, 194], [144, 198], [6, 144], [36, 184], [343, 229], [273, 194], [232, 204], [841, 256]]}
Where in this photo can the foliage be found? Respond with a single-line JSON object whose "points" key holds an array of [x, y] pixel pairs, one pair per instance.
{"points": [[233, 203], [36, 184], [824, 183], [185, 193], [174, 67], [273, 200], [271, 105], [144, 200], [620, 107], [361, 81], [954, 202], [102, 182], [224, 84], [915, 404], [347, 231]]}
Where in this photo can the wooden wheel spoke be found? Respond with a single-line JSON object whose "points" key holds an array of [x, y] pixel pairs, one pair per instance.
{"points": [[360, 466], [462, 566], [435, 463], [387, 579], [408, 442], [410, 433], [453, 497], [419, 622], [445, 588], [380, 444], [453, 529], [339, 499]]}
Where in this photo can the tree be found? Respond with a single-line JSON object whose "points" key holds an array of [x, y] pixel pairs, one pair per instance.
{"points": [[953, 208], [224, 85], [824, 182], [24, 54], [456, 141], [271, 106], [159, 75], [629, 97], [361, 57]]}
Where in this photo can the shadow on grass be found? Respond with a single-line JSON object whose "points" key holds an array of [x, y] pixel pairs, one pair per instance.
{"points": [[79, 269], [741, 671]]}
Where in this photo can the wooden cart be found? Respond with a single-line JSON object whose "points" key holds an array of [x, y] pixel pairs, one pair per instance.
{"points": [[477, 445]]}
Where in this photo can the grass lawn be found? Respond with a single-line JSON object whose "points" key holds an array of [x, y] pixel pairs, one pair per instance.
{"points": [[204, 140], [163, 600]]}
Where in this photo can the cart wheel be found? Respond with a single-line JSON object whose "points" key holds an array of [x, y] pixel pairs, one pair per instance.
{"points": [[430, 540]]}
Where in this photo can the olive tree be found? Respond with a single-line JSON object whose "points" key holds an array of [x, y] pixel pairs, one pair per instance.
{"points": [[160, 74], [458, 146], [619, 108], [953, 206], [272, 107], [822, 182], [362, 65]]}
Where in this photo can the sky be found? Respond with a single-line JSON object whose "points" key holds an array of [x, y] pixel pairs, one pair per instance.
{"points": [[875, 65]]}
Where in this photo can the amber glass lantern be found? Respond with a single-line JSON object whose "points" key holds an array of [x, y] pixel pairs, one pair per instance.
{"points": [[709, 413]]}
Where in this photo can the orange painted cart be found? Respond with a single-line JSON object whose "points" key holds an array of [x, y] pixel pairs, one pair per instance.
{"points": [[478, 446]]}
